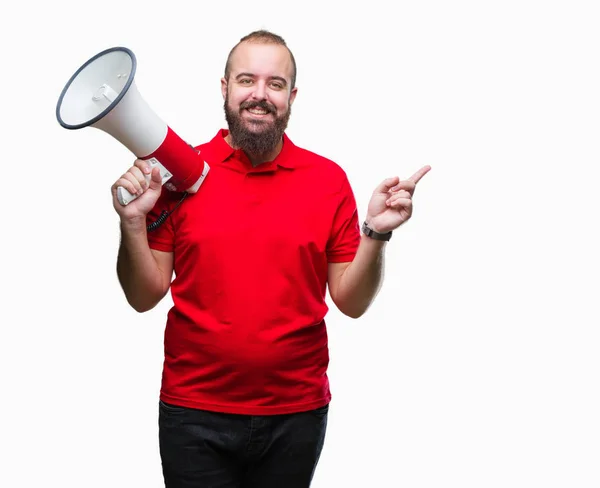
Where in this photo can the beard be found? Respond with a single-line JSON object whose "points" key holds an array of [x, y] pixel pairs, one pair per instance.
{"points": [[255, 137]]}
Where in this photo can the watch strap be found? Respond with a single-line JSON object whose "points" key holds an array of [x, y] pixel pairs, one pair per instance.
{"points": [[375, 235]]}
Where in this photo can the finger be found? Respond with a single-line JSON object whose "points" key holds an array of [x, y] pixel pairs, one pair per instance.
{"points": [[419, 174], [407, 185], [156, 179], [387, 184], [140, 176], [400, 194], [403, 189], [133, 177], [143, 165], [127, 184], [401, 203]]}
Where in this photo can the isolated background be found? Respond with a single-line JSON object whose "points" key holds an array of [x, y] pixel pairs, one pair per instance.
{"points": [[478, 365]]}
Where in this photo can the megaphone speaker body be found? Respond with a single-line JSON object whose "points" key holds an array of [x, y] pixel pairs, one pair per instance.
{"points": [[102, 94]]}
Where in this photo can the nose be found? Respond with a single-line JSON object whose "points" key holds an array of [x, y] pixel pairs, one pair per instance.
{"points": [[260, 91]]}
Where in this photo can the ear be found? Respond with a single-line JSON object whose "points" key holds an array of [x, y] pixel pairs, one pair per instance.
{"points": [[224, 88], [293, 95]]}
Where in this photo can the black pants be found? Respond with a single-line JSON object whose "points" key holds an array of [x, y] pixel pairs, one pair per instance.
{"points": [[201, 449]]}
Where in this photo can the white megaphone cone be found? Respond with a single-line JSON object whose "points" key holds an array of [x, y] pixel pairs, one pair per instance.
{"points": [[102, 94]]}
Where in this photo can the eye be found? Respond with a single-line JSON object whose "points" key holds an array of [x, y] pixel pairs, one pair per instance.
{"points": [[245, 81], [277, 85]]}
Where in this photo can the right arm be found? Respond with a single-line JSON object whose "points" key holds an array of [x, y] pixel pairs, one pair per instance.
{"points": [[145, 274]]}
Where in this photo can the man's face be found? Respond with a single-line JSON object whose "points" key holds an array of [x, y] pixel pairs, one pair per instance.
{"points": [[258, 96]]}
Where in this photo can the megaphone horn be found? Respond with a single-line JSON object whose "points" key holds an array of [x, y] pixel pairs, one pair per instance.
{"points": [[102, 94]]}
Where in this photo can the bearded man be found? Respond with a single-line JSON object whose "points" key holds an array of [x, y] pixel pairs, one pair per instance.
{"points": [[245, 395]]}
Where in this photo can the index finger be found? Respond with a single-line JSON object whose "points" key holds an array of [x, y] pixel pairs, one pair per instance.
{"points": [[419, 174], [143, 165]]}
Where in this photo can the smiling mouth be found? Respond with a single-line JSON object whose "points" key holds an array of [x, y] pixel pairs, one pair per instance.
{"points": [[258, 111]]}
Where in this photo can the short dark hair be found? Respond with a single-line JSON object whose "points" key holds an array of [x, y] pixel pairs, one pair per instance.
{"points": [[262, 37]]}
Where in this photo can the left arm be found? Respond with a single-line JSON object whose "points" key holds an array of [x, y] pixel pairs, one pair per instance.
{"points": [[353, 286]]}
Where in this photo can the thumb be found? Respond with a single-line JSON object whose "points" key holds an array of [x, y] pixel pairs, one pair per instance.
{"points": [[387, 184], [155, 179]]}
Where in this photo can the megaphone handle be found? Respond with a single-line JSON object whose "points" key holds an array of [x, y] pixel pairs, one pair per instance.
{"points": [[126, 198]]}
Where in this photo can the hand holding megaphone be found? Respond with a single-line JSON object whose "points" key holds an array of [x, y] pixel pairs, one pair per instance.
{"points": [[144, 183], [102, 94]]}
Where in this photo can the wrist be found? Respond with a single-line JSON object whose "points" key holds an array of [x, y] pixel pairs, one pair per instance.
{"points": [[369, 221], [373, 233]]}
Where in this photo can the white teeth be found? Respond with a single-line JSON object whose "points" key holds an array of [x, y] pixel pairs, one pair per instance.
{"points": [[257, 111]]}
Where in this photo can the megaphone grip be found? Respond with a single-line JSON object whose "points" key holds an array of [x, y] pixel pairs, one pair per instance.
{"points": [[125, 197], [180, 159]]}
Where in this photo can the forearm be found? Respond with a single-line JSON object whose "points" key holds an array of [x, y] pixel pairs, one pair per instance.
{"points": [[362, 279], [137, 269]]}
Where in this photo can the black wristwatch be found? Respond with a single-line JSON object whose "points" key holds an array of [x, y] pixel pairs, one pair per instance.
{"points": [[375, 235]]}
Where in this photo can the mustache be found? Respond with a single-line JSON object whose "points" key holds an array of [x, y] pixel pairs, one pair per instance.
{"points": [[263, 104]]}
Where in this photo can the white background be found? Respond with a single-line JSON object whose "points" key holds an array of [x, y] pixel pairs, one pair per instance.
{"points": [[478, 365]]}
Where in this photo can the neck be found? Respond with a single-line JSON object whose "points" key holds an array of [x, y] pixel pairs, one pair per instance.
{"points": [[257, 159]]}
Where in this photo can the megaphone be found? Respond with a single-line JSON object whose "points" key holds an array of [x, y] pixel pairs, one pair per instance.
{"points": [[102, 94]]}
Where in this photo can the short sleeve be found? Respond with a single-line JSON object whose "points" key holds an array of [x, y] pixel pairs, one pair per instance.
{"points": [[345, 231]]}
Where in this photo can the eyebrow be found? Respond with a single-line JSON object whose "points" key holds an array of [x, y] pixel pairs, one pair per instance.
{"points": [[251, 75]]}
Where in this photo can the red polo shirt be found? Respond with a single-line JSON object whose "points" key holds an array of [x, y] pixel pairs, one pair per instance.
{"points": [[246, 333]]}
